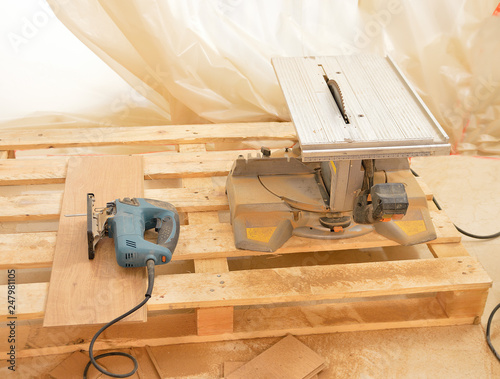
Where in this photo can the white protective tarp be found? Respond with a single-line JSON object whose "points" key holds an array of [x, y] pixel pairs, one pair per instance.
{"points": [[210, 61]]}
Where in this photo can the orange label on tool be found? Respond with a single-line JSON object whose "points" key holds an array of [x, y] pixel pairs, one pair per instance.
{"points": [[262, 234]]}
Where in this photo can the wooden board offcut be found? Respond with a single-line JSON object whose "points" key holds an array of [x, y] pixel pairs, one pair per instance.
{"points": [[288, 359], [93, 292]]}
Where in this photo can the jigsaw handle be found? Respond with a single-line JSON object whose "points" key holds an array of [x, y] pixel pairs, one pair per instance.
{"points": [[168, 226]]}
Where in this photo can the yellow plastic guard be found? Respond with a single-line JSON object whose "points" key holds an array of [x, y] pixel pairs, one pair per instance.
{"points": [[261, 234], [411, 227]]}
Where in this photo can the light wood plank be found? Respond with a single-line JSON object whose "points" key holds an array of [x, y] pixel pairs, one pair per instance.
{"points": [[192, 148], [30, 301], [268, 286], [288, 359], [47, 206], [156, 166], [27, 250], [249, 323], [93, 292], [146, 135], [41, 206], [215, 266], [29, 171], [463, 303], [447, 250], [4, 154], [311, 283], [202, 242], [229, 367], [217, 320]]}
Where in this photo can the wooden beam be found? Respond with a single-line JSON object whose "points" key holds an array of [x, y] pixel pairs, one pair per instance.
{"points": [[270, 286], [250, 323], [27, 250], [146, 135], [156, 166], [463, 303], [447, 250], [93, 292], [47, 206], [202, 242]]}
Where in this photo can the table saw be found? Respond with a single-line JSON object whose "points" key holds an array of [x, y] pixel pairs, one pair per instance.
{"points": [[358, 121]]}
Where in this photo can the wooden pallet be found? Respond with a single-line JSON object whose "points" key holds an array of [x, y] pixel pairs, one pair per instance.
{"points": [[213, 291]]}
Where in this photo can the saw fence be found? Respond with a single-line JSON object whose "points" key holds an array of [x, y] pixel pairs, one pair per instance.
{"points": [[212, 291]]}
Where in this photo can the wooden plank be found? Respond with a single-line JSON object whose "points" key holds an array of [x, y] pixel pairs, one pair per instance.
{"points": [[27, 250], [447, 250], [315, 283], [30, 301], [268, 286], [288, 359], [217, 241], [93, 292], [463, 303], [47, 206], [40, 206], [4, 154], [249, 323], [156, 166], [30, 171], [216, 265], [230, 367], [215, 320], [146, 135]]}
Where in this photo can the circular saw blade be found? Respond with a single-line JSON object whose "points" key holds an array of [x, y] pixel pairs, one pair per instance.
{"points": [[339, 99]]}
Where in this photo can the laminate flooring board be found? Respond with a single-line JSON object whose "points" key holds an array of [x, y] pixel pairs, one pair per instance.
{"points": [[288, 359], [84, 291]]}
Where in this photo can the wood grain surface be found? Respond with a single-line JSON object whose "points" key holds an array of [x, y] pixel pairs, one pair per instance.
{"points": [[93, 292]]}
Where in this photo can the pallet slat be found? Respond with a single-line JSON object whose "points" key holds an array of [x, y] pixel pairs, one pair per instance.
{"points": [[47, 206], [146, 135], [292, 284], [249, 323], [207, 242], [53, 170], [315, 283]]}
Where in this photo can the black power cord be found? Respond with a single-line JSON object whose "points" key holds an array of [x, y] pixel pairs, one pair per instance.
{"points": [[480, 237], [483, 237], [150, 264]]}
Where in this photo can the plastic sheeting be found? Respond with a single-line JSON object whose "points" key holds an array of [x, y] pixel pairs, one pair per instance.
{"points": [[209, 61]]}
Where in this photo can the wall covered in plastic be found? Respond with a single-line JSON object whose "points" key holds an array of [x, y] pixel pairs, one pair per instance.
{"points": [[209, 61]]}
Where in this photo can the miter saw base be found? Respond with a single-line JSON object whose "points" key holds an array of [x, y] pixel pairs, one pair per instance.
{"points": [[273, 198]]}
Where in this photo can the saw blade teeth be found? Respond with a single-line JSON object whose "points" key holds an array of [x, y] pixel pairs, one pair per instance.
{"points": [[339, 96]]}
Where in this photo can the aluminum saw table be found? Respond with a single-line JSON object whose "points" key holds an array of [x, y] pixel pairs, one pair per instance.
{"points": [[385, 116]]}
